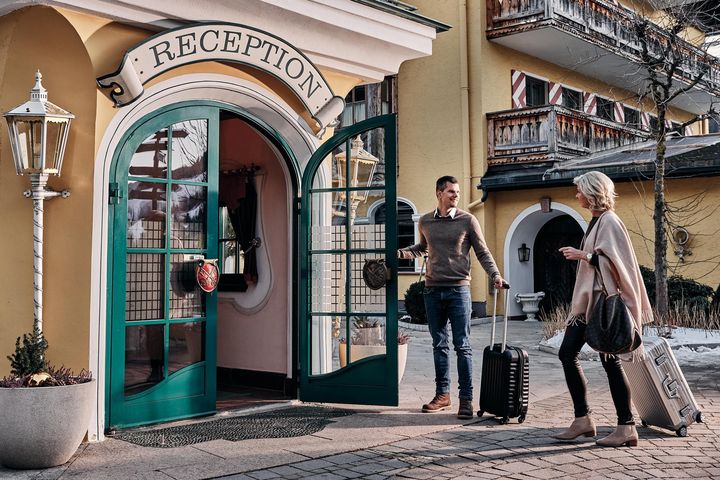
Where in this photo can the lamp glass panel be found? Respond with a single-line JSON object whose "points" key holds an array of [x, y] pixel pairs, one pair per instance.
{"points": [[53, 144], [28, 132]]}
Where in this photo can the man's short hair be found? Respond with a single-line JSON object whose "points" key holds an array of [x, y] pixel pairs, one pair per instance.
{"points": [[443, 181]]}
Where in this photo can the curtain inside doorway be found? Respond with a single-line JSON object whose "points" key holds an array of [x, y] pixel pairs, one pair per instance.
{"points": [[239, 195]]}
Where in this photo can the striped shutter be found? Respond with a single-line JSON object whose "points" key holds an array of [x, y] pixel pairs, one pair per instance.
{"points": [[645, 121], [518, 89], [619, 112], [590, 103], [555, 93]]}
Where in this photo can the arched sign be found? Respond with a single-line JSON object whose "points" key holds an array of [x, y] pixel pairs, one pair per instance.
{"points": [[225, 42]]}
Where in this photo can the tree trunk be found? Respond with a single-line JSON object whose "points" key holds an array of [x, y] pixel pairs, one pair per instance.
{"points": [[661, 286]]}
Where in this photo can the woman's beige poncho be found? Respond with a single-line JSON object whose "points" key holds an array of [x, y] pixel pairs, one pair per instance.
{"points": [[620, 272]]}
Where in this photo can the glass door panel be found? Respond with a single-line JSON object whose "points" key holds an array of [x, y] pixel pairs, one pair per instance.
{"points": [[348, 331], [163, 324]]}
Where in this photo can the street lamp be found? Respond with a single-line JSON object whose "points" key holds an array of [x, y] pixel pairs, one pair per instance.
{"points": [[38, 134], [359, 173]]}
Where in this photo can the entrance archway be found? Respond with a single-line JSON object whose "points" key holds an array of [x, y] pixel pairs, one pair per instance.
{"points": [[525, 229], [272, 116], [553, 274]]}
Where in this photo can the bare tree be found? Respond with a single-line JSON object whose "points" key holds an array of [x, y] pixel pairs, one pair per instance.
{"points": [[672, 68]]}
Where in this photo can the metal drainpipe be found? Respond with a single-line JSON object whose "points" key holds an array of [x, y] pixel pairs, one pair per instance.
{"points": [[465, 103]]}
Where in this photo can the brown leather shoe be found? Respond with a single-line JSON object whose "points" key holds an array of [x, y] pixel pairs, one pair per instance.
{"points": [[465, 411], [438, 404]]}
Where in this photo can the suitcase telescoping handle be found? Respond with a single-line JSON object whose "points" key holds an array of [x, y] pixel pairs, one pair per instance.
{"points": [[506, 287]]}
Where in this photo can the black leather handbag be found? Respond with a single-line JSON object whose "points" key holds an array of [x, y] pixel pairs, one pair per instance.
{"points": [[610, 328]]}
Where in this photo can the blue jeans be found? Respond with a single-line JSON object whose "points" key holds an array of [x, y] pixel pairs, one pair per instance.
{"points": [[453, 304]]}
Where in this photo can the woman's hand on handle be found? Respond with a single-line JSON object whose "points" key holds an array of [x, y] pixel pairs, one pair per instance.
{"points": [[571, 253]]}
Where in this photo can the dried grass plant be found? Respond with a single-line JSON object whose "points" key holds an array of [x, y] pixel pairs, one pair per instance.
{"points": [[689, 316], [555, 320]]}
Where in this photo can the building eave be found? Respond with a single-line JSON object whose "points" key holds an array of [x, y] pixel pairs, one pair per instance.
{"points": [[356, 27]]}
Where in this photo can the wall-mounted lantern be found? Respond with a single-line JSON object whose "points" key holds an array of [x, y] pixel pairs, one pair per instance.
{"points": [[38, 134], [524, 253], [681, 239]]}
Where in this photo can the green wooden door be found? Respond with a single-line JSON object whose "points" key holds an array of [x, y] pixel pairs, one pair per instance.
{"points": [[164, 217], [348, 332]]}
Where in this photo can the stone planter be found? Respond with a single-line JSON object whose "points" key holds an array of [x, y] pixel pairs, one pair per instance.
{"points": [[42, 427], [361, 351], [530, 303]]}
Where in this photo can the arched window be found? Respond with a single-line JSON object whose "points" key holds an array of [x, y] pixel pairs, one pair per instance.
{"points": [[406, 230]]}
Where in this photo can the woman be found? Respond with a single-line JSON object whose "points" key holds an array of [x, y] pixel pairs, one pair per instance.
{"points": [[606, 249]]}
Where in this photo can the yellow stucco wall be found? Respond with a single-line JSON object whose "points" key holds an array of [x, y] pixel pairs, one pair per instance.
{"points": [[40, 38], [72, 50], [430, 128]]}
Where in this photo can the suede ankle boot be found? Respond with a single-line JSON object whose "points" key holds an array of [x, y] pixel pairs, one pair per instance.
{"points": [[580, 426], [623, 435]]}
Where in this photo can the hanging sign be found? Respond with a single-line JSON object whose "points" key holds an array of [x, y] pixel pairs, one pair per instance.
{"points": [[207, 275], [224, 42]]}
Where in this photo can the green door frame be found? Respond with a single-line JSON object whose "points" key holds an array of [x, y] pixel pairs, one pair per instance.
{"points": [[118, 207], [371, 381]]}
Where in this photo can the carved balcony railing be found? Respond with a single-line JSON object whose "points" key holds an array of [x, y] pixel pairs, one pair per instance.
{"points": [[552, 133], [602, 23]]}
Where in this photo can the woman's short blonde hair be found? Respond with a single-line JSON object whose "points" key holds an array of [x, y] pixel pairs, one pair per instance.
{"points": [[598, 189]]}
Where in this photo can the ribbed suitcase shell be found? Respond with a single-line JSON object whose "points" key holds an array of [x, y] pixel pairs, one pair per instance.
{"points": [[660, 393], [505, 380], [505, 383]]}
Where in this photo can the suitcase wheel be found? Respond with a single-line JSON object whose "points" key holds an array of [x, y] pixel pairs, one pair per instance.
{"points": [[521, 418], [699, 417], [480, 413], [643, 423], [682, 431], [504, 420]]}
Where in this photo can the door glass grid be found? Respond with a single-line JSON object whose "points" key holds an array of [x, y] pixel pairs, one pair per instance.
{"points": [[161, 286], [355, 174], [187, 300], [144, 286]]}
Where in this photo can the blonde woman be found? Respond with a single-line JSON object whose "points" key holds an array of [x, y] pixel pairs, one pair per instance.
{"points": [[606, 249]]}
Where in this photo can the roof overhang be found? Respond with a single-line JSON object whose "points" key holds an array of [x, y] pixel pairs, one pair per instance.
{"points": [[367, 42]]}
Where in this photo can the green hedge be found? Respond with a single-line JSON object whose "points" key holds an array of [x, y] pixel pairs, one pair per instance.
{"points": [[681, 289], [415, 302]]}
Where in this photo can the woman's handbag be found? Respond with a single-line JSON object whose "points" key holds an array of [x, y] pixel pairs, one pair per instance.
{"points": [[610, 328]]}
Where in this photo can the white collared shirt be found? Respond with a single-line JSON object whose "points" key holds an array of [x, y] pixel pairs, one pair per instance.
{"points": [[451, 213]]}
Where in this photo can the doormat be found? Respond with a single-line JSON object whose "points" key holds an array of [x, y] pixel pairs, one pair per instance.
{"points": [[288, 422]]}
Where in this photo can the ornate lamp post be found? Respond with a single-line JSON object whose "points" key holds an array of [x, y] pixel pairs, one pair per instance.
{"points": [[38, 133]]}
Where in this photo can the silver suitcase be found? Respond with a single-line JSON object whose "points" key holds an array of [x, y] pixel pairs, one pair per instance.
{"points": [[660, 393]]}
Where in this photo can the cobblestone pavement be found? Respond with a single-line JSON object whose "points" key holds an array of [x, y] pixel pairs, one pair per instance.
{"points": [[381, 442]]}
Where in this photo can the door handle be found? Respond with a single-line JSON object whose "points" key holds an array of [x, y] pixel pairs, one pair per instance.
{"points": [[670, 386]]}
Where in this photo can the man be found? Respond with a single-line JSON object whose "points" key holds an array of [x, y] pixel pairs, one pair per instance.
{"points": [[446, 236]]}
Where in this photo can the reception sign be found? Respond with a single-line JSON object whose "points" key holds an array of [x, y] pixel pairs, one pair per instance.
{"points": [[224, 42]]}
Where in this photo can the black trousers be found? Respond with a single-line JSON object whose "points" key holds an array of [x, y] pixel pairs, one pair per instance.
{"points": [[576, 382]]}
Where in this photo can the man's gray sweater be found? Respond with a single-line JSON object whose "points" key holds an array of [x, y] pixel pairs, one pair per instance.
{"points": [[447, 242]]}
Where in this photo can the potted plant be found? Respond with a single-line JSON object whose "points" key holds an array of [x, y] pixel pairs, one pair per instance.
{"points": [[367, 340], [44, 410]]}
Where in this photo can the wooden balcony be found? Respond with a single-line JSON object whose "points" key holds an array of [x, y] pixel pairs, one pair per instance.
{"points": [[551, 134], [595, 38]]}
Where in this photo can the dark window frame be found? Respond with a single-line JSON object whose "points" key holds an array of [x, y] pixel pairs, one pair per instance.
{"points": [[605, 108], [536, 92]]}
